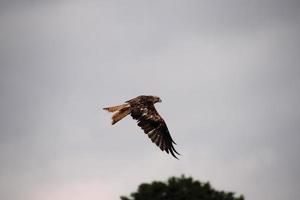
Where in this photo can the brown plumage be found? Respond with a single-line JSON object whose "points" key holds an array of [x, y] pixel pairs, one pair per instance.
{"points": [[142, 109]]}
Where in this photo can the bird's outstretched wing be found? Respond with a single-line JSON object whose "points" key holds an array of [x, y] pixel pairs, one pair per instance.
{"points": [[154, 126]]}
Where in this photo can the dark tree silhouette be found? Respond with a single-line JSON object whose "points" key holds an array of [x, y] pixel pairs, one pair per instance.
{"points": [[181, 188]]}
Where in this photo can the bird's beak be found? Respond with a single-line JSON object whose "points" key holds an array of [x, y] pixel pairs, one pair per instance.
{"points": [[159, 100]]}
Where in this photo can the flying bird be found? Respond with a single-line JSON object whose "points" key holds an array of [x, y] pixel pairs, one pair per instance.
{"points": [[142, 109]]}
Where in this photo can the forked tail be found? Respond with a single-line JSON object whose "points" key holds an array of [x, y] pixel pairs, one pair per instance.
{"points": [[121, 111]]}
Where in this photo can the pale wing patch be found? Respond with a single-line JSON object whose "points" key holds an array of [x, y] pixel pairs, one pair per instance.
{"points": [[144, 111]]}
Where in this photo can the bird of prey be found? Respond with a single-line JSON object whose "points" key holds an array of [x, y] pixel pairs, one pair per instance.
{"points": [[142, 109]]}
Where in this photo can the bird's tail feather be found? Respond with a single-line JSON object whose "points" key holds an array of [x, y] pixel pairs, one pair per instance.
{"points": [[121, 112], [120, 115], [116, 108]]}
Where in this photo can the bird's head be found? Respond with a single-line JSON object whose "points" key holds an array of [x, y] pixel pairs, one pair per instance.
{"points": [[155, 99]]}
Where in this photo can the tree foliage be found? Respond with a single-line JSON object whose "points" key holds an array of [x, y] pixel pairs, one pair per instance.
{"points": [[179, 188]]}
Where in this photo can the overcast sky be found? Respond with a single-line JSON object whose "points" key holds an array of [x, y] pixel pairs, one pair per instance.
{"points": [[227, 72]]}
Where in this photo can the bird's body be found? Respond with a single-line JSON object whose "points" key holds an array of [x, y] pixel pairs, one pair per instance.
{"points": [[142, 109]]}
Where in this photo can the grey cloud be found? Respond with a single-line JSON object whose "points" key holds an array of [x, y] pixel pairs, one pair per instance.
{"points": [[227, 73]]}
